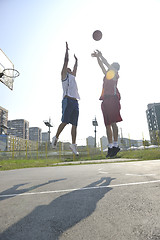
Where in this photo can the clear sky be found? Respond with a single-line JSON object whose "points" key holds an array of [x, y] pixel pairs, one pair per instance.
{"points": [[33, 35]]}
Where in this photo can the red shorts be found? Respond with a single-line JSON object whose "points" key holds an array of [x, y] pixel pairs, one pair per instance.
{"points": [[111, 110]]}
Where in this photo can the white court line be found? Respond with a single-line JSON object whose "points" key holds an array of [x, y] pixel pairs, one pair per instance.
{"points": [[80, 189], [103, 172], [100, 171], [140, 175]]}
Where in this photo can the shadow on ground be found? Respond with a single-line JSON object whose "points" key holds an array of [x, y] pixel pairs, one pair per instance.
{"points": [[13, 191], [51, 221]]}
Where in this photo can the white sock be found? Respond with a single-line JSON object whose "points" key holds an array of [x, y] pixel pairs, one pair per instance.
{"points": [[115, 144], [110, 145]]}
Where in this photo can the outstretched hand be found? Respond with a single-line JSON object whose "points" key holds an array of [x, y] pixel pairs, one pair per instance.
{"points": [[75, 57], [96, 53], [99, 53], [67, 48]]}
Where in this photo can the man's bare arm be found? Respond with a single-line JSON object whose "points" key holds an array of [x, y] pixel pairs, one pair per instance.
{"points": [[101, 65], [75, 66], [103, 59], [97, 55], [66, 59]]}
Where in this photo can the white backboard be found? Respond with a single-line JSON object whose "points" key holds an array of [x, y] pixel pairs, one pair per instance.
{"points": [[6, 63]]}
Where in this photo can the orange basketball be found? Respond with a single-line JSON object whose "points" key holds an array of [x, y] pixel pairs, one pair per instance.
{"points": [[97, 35]]}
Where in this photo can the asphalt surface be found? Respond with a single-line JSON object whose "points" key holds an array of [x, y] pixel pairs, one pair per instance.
{"points": [[107, 201]]}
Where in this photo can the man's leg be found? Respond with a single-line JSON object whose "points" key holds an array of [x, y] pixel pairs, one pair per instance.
{"points": [[74, 120], [109, 133], [73, 146], [74, 134], [59, 130], [110, 141], [115, 132], [116, 148]]}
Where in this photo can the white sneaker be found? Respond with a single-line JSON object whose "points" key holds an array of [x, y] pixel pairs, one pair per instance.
{"points": [[73, 147], [54, 142]]}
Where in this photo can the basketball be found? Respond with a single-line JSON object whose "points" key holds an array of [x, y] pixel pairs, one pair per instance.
{"points": [[97, 35], [110, 74]]}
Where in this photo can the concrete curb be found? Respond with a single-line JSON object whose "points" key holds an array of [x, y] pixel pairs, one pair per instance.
{"points": [[96, 161]]}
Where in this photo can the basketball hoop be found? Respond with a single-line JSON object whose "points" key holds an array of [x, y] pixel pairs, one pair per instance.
{"points": [[7, 82], [7, 71]]}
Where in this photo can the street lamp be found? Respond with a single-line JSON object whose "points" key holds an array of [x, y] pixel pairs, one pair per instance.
{"points": [[95, 124], [3, 127], [48, 124]]}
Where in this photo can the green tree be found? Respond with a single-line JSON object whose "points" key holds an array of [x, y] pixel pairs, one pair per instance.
{"points": [[145, 143]]}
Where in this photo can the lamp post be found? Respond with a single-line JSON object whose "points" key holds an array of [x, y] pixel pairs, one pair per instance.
{"points": [[95, 124], [48, 124]]}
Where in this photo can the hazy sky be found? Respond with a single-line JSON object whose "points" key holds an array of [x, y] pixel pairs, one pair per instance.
{"points": [[33, 35]]}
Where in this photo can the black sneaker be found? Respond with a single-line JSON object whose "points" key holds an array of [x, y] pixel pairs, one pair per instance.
{"points": [[109, 152], [114, 152]]}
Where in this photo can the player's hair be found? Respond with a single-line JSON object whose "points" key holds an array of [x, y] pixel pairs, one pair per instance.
{"points": [[116, 65]]}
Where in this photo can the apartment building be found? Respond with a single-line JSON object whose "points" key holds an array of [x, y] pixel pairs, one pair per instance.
{"points": [[153, 119], [3, 120], [35, 134], [45, 136], [18, 128]]}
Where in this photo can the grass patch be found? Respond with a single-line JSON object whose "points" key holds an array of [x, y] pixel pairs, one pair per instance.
{"points": [[146, 154], [25, 163], [9, 164]]}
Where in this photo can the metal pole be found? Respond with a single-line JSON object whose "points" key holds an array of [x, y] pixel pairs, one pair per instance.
{"points": [[49, 132], [95, 137], [95, 124], [48, 124]]}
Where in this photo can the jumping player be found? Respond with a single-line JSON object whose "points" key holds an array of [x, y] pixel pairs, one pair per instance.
{"points": [[70, 106], [110, 102]]}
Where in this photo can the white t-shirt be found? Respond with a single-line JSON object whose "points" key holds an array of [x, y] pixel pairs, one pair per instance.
{"points": [[69, 86]]}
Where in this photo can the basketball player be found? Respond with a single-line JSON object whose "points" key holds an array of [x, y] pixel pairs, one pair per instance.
{"points": [[70, 106], [110, 103]]}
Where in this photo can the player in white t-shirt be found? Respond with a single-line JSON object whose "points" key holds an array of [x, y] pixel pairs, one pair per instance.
{"points": [[70, 106]]}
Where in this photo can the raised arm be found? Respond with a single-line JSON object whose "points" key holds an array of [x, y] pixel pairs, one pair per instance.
{"points": [[100, 63], [66, 60], [75, 66], [103, 59]]}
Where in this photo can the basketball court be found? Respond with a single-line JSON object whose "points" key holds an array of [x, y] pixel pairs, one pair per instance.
{"points": [[95, 201]]}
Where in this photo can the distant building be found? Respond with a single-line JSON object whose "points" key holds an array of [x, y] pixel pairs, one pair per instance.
{"points": [[14, 143], [90, 141], [18, 128], [140, 143], [153, 119], [35, 134], [125, 143], [45, 136], [3, 142], [3, 120], [104, 142]]}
